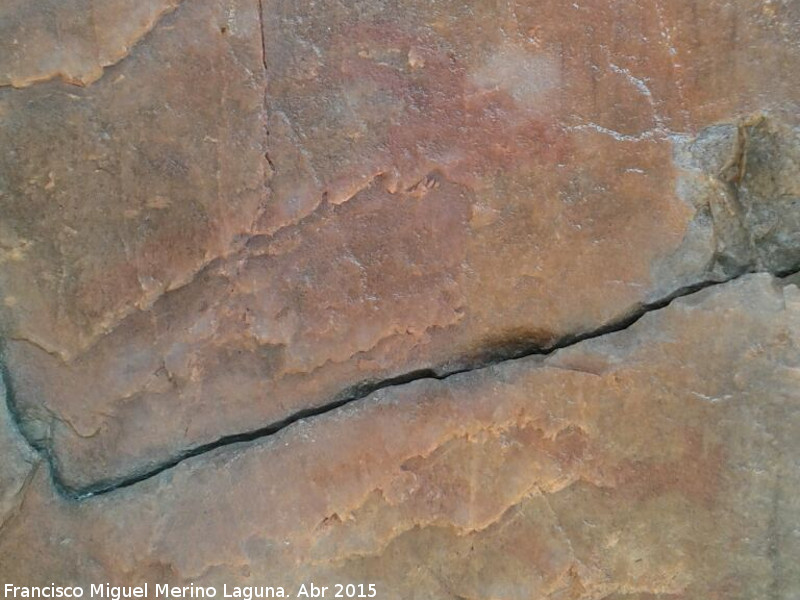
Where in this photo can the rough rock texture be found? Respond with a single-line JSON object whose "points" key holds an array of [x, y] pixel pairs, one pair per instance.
{"points": [[72, 39], [249, 217], [629, 465], [222, 216]]}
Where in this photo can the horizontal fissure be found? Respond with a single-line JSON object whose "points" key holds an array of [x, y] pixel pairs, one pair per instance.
{"points": [[512, 350]]}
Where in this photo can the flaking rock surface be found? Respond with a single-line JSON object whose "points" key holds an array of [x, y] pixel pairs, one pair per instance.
{"points": [[218, 216], [252, 209], [656, 462]]}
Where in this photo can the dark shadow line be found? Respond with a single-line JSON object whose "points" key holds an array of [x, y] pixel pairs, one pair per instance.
{"points": [[521, 349]]}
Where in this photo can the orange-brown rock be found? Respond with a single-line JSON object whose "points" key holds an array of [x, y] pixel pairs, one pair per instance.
{"points": [[451, 236], [656, 462], [71, 39], [261, 209]]}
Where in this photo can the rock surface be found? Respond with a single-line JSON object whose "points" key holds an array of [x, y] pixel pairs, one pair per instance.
{"points": [[222, 216], [629, 465], [256, 213]]}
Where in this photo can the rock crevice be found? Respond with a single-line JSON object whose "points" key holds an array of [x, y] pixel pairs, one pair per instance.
{"points": [[517, 349]]}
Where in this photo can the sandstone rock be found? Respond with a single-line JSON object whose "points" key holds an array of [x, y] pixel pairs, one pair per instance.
{"points": [[386, 292], [114, 193], [659, 461], [265, 209], [72, 39], [19, 462]]}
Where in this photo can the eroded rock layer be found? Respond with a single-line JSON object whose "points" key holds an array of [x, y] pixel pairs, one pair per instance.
{"points": [[220, 217], [261, 209], [628, 464]]}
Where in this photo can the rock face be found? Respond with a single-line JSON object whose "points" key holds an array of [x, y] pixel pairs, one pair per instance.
{"points": [[449, 235], [626, 465]]}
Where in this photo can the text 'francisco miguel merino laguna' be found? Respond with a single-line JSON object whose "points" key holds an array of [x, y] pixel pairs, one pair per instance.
{"points": [[113, 592]]}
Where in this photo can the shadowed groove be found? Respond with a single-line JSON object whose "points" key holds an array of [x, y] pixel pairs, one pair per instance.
{"points": [[512, 350]]}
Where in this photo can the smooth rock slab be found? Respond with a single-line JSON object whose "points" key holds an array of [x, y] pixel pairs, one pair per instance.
{"points": [[71, 39]]}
